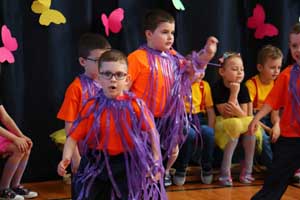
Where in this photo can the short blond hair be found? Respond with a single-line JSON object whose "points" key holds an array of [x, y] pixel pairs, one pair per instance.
{"points": [[268, 51]]}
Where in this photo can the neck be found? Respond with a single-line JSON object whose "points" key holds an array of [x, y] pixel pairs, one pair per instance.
{"points": [[151, 46], [90, 76], [263, 80], [226, 83]]}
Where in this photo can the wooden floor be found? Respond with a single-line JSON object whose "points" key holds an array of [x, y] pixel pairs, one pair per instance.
{"points": [[58, 190]]}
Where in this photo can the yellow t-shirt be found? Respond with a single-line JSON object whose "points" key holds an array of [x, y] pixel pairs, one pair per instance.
{"points": [[201, 97], [258, 91]]}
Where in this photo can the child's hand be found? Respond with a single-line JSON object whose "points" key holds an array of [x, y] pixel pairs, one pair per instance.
{"points": [[211, 46], [234, 87], [28, 140], [157, 177], [21, 144], [62, 166], [253, 126], [233, 110], [275, 132]]}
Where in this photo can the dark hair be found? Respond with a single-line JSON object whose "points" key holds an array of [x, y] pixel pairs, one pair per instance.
{"points": [[91, 41], [154, 17], [295, 29], [113, 55], [268, 51]]}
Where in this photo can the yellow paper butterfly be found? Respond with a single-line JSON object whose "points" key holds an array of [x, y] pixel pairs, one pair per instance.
{"points": [[47, 15]]}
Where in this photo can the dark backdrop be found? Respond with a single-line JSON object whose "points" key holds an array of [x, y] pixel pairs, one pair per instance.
{"points": [[33, 87]]}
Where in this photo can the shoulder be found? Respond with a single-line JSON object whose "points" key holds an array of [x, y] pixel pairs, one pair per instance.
{"points": [[75, 84], [251, 80], [138, 57], [139, 53], [286, 71], [243, 87]]}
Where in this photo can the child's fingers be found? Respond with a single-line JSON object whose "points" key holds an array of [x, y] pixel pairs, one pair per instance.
{"points": [[61, 168]]}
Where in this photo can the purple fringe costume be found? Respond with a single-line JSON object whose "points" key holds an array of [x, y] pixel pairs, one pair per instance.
{"points": [[294, 87], [175, 119], [140, 165]]}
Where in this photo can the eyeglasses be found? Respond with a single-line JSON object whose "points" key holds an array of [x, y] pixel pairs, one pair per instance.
{"points": [[108, 75], [92, 59]]}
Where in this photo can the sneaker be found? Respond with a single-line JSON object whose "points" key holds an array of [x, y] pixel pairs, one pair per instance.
{"points": [[246, 178], [226, 181], [167, 180], [9, 194], [206, 176], [296, 177], [179, 180], [28, 194]]}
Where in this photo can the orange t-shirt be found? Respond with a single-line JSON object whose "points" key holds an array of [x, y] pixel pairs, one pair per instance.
{"points": [[111, 130], [73, 101], [140, 74], [279, 97]]}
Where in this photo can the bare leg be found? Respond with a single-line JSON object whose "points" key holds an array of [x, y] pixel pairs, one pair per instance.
{"points": [[11, 166], [172, 159], [16, 181]]}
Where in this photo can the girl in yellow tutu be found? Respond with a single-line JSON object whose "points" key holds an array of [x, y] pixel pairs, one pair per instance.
{"points": [[231, 100]]}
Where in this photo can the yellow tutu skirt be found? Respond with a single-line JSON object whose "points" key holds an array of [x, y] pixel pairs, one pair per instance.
{"points": [[227, 129], [59, 136]]}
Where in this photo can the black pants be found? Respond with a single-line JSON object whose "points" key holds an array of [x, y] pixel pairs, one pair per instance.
{"points": [[286, 161], [102, 187]]}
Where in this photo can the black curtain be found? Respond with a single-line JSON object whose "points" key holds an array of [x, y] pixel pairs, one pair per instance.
{"points": [[33, 87]]}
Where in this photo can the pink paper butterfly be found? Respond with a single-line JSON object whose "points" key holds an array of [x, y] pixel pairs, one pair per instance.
{"points": [[113, 22], [257, 22], [10, 44]]}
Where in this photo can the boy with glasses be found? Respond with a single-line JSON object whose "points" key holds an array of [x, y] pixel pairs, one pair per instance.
{"points": [[121, 151]]}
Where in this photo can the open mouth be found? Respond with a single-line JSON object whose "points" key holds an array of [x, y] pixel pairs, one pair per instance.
{"points": [[112, 87]]}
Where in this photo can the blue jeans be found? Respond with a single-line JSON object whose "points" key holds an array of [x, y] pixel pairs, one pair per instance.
{"points": [[266, 156], [202, 153]]}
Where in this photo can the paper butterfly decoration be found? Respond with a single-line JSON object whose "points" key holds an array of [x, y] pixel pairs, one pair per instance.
{"points": [[113, 22], [47, 15], [178, 4], [9, 44], [257, 22]]}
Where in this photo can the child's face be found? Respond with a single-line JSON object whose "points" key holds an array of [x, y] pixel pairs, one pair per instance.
{"points": [[233, 70], [294, 45], [113, 78], [270, 69], [162, 37], [90, 63]]}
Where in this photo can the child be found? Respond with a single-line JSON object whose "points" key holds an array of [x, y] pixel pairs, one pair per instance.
{"points": [[284, 95], [157, 75], [16, 146], [269, 62], [91, 46], [231, 100], [121, 158], [202, 108]]}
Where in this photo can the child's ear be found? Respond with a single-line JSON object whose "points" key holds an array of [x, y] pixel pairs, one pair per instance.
{"points": [[148, 33], [128, 78], [128, 82], [221, 71], [259, 67], [81, 61]]}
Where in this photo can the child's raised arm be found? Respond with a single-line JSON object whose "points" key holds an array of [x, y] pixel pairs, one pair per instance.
{"points": [[206, 54]]}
